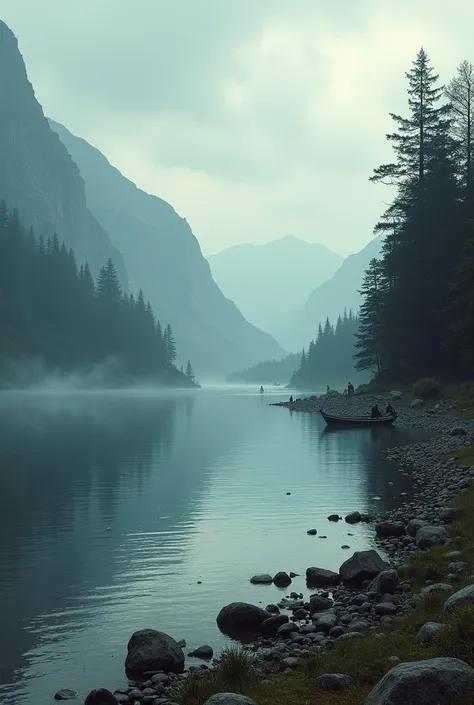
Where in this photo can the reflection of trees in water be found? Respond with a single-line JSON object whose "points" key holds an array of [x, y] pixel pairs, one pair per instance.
{"points": [[65, 462], [363, 447]]}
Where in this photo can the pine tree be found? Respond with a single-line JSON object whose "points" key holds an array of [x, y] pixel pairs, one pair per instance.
{"points": [[108, 285], [460, 93], [170, 345], [369, 345], [189, 371]]}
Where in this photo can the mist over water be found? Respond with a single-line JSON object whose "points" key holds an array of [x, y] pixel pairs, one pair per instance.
{"points": [[115, 505]]}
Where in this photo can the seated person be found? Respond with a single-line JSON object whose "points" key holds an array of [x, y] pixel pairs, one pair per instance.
{"points": [[375, 414], [390, 410]]}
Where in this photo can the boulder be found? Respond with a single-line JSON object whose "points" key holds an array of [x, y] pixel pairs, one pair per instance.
{"points": [[386, 609], [361, 566], [319, 604], [333, 682], [320, 577], [101, 696], [429, 536], [326, 622], [288, 663], [449, 514], [385, 582], [458, 431], [150, 650], [282, 579], [285, 630], [261, 579], [229, 699], [417, 403], [390, 528], [459, 598], [65, 694], [395, 395], [204, 652], [353, 518], [312, 532], [436, 589], [241, 617], [439, 680], [428, 632], [334, 517], [414, 525], [270, 626]]}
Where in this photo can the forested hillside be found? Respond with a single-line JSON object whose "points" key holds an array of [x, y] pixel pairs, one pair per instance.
{"points": [[53, 313], [329, 358], [417, 318]]}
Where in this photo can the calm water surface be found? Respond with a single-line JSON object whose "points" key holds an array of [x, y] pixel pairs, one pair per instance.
{"points": [[115, 505]]}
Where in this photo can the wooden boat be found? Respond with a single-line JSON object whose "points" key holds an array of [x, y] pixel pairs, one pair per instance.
{"points": [[332, 420]]}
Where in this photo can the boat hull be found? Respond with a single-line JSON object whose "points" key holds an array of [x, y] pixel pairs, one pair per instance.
{"points": [[332, 420]]}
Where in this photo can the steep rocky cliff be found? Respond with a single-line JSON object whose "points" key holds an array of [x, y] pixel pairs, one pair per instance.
{"points": [[163, 257], [37, 175]]}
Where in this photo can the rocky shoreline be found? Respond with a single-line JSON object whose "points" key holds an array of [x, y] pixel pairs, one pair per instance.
{"points": [[365, 595]]}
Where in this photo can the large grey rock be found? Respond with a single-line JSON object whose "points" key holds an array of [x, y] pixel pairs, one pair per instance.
{"points": [[285, 630], [414, 525], [65, 694], [282, 579], [436, 589], [320, 577], [288, 663], [270, 626], [353, 518], [229, 699], [449, 514], [390, 528], [241, 616], [437, 681], [416, 403], [395, 395], [363, 565], [428, 632], [325, 622], [319, 604], [429, 536], [385, 582], [333, 682], [261, 579], [204, 652], [458, 599], [386, 609], [101, 696], [150, 650], [458, 431]]}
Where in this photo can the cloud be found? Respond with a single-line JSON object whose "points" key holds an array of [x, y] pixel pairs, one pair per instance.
{"points": [[254, 119]]}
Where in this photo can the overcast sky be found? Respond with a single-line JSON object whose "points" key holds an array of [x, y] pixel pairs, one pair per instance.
{"points": [[254, 118]]}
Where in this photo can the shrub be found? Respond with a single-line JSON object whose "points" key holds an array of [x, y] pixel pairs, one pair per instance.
{"points": [[235, 667], [457, 638], [426, 388]]}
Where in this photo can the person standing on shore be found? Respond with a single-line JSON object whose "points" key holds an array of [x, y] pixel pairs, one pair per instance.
{"points": [[350, 390]]}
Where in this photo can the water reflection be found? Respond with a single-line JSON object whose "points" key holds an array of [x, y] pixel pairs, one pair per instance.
{"points": [[116, 505]]}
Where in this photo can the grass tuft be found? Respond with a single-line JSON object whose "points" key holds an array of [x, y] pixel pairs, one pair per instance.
{"points": [[236, 667], [195, 689], [457, 638]]}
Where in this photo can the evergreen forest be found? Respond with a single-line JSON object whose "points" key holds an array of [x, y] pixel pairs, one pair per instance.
{"points": [[52, 311], [417, 316]]}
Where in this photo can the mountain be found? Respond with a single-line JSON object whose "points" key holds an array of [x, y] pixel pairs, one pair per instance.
{"points": [[330, 299], [253, 277], [37, 175], [163, 258]]}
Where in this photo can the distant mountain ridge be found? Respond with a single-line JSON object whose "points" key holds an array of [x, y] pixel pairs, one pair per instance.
{"points": [[163, 258], [268, 280], [37, 175], [330, 299]]}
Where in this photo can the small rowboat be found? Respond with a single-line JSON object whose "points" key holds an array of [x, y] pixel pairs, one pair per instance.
{"points": [[356, 420]]}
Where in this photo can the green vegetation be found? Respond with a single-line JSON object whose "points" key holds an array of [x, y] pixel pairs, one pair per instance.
{"points": [[53, 312], [369, 658], [268, 371], [329, 358], [417, 318], [426, 388]]}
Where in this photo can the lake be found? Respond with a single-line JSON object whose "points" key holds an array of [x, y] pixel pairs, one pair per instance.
{"points": [[128, 510]]}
